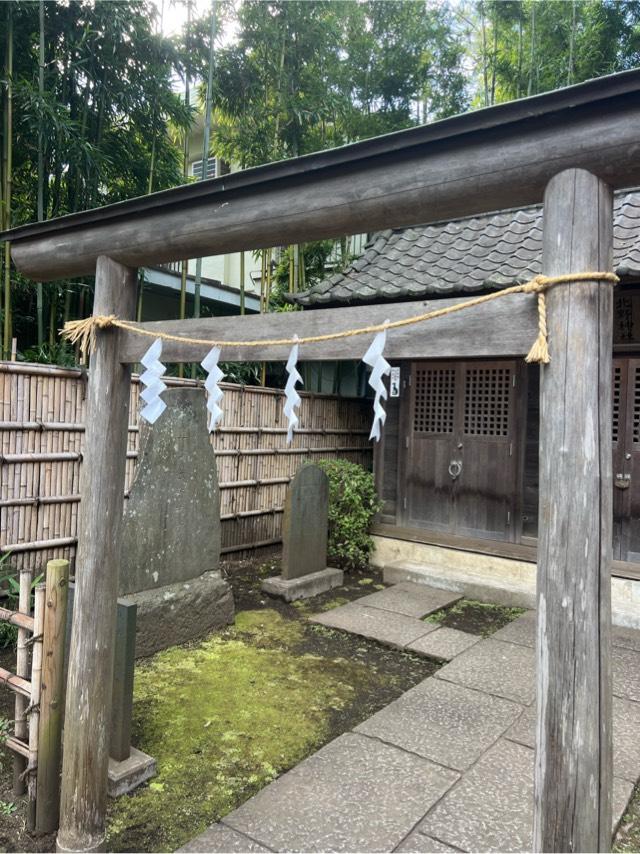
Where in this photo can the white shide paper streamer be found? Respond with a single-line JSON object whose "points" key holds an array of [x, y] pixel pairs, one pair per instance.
{"points": [[215, 393], [379, 368], [152, 381], [292, 398]]}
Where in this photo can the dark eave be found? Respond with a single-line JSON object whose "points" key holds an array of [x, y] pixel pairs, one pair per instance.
{"points": [[392, 180]]}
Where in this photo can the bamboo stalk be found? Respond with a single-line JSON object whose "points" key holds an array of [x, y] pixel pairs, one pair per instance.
{"points": [[15, 683], [21, 620], [36, 545], [34, 704], [25, 625]]}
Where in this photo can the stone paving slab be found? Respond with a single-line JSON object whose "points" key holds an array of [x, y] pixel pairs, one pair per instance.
{"points": [[626, 732], [410, 599], [221, 839], [445, 643], [491, 809], [355, 794], [522, 630], [626, 673], [626, 638], [444, 722], [385, 626], [504, 669], [418, 843]]}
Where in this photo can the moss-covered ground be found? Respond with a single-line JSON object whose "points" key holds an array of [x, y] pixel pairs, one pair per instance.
{"points": [[224, 716], [477, 618]]}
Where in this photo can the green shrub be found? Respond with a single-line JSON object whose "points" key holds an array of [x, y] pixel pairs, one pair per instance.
{"points": [[352, 505]]}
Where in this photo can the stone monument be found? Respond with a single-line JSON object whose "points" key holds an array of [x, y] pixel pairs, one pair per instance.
{"points": [[304, 536], [171, 530]]}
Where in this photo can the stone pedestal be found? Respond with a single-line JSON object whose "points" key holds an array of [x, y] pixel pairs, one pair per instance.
{"points": [[305, 586], [177, 613], [127, 775]]}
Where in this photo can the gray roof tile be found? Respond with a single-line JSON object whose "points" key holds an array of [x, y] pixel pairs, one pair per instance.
{"points": [[463, 256]]}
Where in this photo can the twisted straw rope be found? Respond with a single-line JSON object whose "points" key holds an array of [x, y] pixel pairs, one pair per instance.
{"points": [[83, 331]]}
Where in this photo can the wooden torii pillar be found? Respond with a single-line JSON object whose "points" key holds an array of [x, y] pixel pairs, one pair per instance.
{"points": [[83, 797], [573, 769]]}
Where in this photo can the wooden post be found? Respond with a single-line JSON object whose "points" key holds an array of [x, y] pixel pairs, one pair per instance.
{"points": [[573, 772], [52, 697], [88, 705]]}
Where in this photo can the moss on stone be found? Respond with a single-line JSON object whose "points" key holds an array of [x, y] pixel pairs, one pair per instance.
{"points": [[223, 718]]}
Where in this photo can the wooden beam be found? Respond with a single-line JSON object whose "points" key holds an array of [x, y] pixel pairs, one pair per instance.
{"points": [[503, 327], [88, 705], [497, 158], [573, 772]]}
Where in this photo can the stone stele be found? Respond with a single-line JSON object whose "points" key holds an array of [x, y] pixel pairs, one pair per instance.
{"points": [[304, 536], [305, 523], [171, 528]]}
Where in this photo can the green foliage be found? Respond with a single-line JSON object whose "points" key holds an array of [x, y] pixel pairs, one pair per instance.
{"points": [[524, 47], [352, 505], [60, 353], [10, 586]]}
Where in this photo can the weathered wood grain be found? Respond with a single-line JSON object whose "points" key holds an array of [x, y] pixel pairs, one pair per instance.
{"points": [[441, 178], [87, 716], [52, 697], [573, 773], [503, 327]]}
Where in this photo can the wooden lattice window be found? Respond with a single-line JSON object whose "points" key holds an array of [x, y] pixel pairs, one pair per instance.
{"points": [[636, 406], [617, 395], [434, 400], [487, 395]]}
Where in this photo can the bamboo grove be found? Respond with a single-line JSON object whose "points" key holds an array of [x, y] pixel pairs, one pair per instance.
{"points": [[98, 104]]}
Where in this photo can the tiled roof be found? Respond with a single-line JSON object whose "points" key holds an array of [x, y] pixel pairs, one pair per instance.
{"points": [[463, 256]]}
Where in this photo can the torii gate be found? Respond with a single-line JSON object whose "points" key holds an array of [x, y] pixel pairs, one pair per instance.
{"points": [[570, 148]]}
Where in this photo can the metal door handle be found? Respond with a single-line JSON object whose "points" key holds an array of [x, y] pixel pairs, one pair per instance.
{"points": [[455, 469], [623, 481]]}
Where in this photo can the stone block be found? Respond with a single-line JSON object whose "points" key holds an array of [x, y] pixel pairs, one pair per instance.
{"points": [[491, 809], [443, 722], [626, 744], [305, 523], [503, 669], [305, 586], [171, 525], [412, 600], [356, 794], [222, 840], [383, 626], [444, 644], [127, 775], [418, 843], [521, 630], [181, 612], [626, 673]]}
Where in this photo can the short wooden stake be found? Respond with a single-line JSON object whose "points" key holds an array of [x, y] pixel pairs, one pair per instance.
{"points": [[573, 770], [22, 669], [83, 796], [52, 697]]}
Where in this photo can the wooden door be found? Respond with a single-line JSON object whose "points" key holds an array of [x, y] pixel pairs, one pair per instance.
{"points": [[460, 471], [626, 459], [430, 445]]}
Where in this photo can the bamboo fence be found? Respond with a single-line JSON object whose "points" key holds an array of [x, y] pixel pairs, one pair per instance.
{"points": [[41, 442]]}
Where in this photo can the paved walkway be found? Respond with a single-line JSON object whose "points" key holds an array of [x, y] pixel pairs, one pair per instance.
{"points": [[446, 767]]}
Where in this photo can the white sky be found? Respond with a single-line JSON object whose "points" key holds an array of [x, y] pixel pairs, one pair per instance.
{"points": [[174, 13]]}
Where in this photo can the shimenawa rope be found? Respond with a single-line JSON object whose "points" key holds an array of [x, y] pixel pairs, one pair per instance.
{"points": [[83, 332]]}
